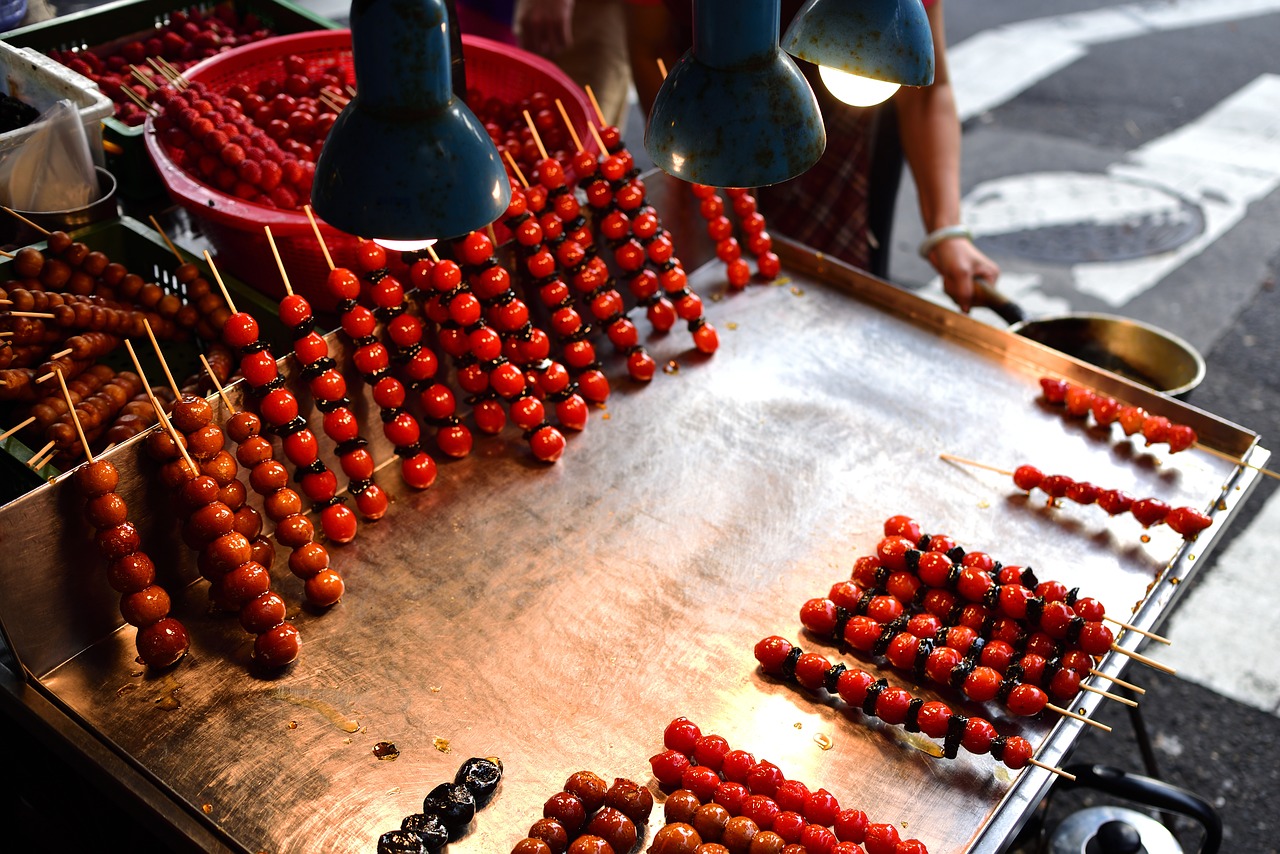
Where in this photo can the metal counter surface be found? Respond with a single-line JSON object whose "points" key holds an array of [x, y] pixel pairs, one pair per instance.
{"points": [[560, 616]]}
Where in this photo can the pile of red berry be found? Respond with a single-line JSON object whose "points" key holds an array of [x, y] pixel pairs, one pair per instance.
{"points": [[511, 133], [209, 136], [190, 36]]}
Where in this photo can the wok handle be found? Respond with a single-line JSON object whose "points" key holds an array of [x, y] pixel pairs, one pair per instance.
{"points": [[985, 294]]}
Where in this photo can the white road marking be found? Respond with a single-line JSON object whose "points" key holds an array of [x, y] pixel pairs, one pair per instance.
{"points": [[995, 66], [1219, 630], [1223, 162], [1046, 199]]}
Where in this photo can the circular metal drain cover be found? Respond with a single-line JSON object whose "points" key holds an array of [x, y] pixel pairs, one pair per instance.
{"points": [[1073, 218]]}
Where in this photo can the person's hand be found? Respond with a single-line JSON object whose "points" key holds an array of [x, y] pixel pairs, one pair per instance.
{"points": [[959, 262], [545, 26]]}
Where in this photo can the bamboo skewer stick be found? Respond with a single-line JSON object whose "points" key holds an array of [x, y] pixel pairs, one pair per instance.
{"points": [[595, 105], [36, 226], [280, 264], [537, 140], [311, 217], [595, 134], [75, 419], [573, 134], [1067, 713], [1234, 459], [1125, 700], [1051, 769], [515, 169], [218, 278], [177, 392], [15, 428], [36, 462], [143, 78], [156, 225], [222, 392], [1142, 659], [1155, 637], [1118, 681], [160, 413], [954, 459]]}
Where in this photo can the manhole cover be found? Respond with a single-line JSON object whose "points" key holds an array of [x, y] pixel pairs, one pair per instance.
{"points": [[1073, 218]]}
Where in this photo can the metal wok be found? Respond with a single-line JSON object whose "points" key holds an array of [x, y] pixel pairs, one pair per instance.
{"points": [[1135, 350]]}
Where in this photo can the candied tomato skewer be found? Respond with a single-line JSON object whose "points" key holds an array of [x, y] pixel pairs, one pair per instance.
{"points": [[279, 408], [705, 768], [876, 698], [329, 389]]}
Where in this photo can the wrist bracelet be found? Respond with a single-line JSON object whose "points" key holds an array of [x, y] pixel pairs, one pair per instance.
{"points": [[947, 232]]}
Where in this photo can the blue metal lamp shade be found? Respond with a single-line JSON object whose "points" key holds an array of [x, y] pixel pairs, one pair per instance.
{"points": [[735, 111], [406, 159], [887, 40]]}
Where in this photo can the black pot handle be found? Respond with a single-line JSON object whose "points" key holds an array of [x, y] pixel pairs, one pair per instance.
{"points": [[985, 294], [1153, 793]]}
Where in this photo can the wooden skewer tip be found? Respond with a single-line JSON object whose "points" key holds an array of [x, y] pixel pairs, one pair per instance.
{"points": [[36, 462], [515, 169], [315, 226], [1067, 713], [573, 133], [271, 241], [75, 419], [1052, 769], [177, 392], [595, 105], [39, 228], [1125, 700], [217, 277], [954, 459], [222, 392], [1117, 680], [1150, 662], [533, 129], [1143, 632], [15, 428]]}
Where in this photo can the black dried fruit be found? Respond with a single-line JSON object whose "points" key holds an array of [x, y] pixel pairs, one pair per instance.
{"points": [[481, 777], [429, 826], [402, 842], [454, 804]]}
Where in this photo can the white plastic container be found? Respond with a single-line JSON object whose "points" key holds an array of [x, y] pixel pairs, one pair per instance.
{"points": [[32, 77]]}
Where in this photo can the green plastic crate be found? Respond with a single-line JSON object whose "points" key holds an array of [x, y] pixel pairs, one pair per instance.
{"points": [[144, 252], [125, 21]]}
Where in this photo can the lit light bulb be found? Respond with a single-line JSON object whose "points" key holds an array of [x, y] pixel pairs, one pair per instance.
{"points": [[403, 245], [855, 90]]}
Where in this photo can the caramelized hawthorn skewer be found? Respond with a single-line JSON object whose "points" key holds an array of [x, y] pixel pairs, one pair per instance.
{"points": [[308, 560], [226, 556], [161, 640]]}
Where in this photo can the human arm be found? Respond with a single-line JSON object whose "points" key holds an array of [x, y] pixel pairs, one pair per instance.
{"points": [[648, 40], [930, 130], [544, 26]]}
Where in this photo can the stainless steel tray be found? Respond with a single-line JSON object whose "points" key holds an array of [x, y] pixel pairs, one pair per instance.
{"points": [[559, 616]]}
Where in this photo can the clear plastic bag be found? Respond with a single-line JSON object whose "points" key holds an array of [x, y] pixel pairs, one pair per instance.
{"points": [[52, 170]]}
